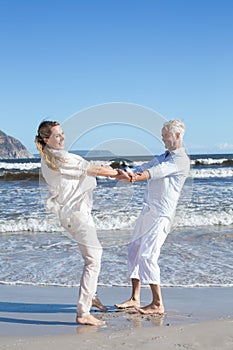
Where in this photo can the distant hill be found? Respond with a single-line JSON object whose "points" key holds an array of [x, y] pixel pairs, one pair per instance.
{"points": [[11, 148]]}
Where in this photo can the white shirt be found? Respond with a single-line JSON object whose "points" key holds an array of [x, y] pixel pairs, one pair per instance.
{"points": [[167, 176], [70, 188]]}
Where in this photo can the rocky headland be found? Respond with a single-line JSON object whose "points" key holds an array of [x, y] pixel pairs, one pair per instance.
{"points": [[11, 148]]}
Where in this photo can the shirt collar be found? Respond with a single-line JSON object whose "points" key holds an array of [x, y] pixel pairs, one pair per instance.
{"points": [[175, 151]]}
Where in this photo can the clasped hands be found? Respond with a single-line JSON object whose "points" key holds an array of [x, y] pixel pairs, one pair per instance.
{"points": [[127, 176]]}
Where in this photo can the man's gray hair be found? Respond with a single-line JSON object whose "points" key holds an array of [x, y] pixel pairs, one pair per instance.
{"points": [[175, 126]]}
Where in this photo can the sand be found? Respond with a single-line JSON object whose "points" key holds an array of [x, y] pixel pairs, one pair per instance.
{"points": [[43, 318]]}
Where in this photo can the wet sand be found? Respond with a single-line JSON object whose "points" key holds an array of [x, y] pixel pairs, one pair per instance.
{"points": [[44, 317]]}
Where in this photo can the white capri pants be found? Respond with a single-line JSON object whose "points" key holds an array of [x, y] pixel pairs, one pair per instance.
{"points": [[148, 237], [81, 227]]}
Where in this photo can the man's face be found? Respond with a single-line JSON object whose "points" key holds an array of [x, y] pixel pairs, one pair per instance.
{"points": [[169, 139], [56, 139]]}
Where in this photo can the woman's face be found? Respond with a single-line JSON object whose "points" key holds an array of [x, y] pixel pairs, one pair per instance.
{"points": [[56, 139]]}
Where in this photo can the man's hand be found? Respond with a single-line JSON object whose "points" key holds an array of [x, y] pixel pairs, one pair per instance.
{"points": [[144, 176]]}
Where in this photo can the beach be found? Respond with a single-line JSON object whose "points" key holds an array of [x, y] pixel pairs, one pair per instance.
{"points": [[41, 266], [37, 317]]}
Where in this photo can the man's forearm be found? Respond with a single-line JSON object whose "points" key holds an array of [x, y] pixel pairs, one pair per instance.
{"points": [[136, 177]]}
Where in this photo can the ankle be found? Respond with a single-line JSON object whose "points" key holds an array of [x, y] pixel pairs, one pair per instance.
{"points": [[158, 304], [135, 298]]}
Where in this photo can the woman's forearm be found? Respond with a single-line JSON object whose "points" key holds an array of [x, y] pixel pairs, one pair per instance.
{"points": [[107, 171]]}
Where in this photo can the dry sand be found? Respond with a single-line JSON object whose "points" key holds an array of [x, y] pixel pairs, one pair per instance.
{"points": [[43, 318]]}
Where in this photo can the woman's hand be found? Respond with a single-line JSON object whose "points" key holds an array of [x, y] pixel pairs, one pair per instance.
{"points": [[123, 176]]}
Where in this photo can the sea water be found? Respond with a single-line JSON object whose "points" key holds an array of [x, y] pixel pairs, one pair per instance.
{"points": [[35, 250]]}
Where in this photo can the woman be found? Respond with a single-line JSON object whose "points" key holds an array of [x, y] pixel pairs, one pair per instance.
{"points": [[71, 181]]}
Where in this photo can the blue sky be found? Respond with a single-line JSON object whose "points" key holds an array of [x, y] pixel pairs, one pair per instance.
{"points": [[174, 57]]}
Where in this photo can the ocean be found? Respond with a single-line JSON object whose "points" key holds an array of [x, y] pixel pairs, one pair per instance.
{"points": [[35, 250]]}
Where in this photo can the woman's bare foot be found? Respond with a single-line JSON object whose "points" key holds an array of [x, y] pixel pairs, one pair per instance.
{"points": [[129, 303], [151, 310], [97, 303], [89, 320]]}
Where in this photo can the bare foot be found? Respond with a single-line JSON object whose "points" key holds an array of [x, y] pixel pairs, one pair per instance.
{"points": [[97, 303], [129, 303], [89, 320], [151, 310]]}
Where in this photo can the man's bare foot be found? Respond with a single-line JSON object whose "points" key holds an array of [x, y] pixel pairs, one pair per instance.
{"points": [[128, 304], [151, 310], [97, 303], [89, 320]]}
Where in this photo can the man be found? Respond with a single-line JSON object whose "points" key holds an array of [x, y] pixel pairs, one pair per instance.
{"points": [[165, 176]]}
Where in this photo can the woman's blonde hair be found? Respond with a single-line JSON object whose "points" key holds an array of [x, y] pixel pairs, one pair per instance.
{"points": [[44, 131]]}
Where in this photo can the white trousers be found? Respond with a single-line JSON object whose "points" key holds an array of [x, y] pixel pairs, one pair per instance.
{"points": [[148, 237], [81, 227]]}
